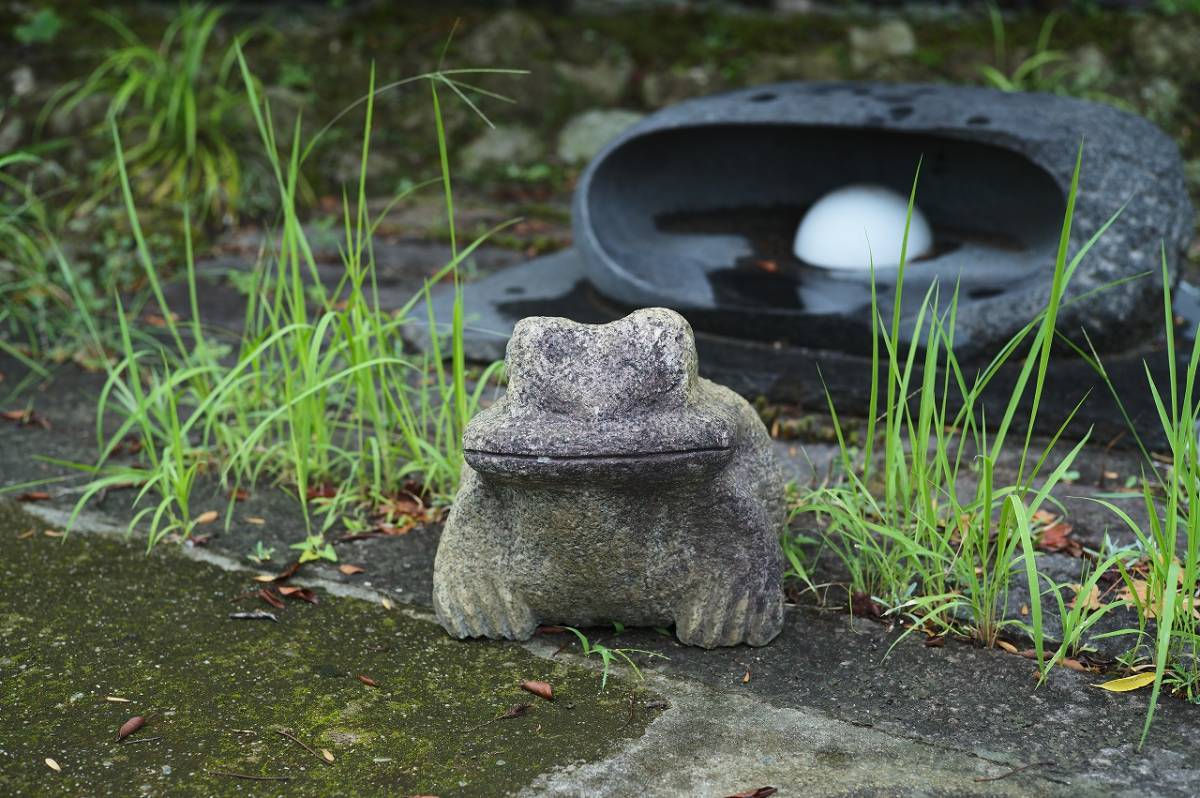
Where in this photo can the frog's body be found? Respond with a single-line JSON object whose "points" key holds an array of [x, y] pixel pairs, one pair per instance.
{"points": [[613, 484]]}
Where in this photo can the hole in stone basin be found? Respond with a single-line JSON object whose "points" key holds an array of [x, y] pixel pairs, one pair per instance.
{"points": [[763, 97], [706, 215]]}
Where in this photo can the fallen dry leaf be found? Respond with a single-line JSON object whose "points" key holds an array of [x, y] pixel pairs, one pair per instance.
{"points": [[256, 520], [130, 726], [288, 572], [761, 792], [117, 699], [301, 593], [1007, 646], [368, 681], [207, 517], [351, 570], [263, 578], [1055, 536], [538, 688], [53, 533], [746, 678], [34, 496], [387, 603], [50, 763], [26, 418], [241, 494], [1091, 601], [26, 535], [327, 755], [1127, 683], [270, 597], [515, 711], [322, 491], [862, 605], [1075, 665]]}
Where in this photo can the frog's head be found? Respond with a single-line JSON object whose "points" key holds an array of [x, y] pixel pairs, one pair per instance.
{"points": [[603, 401]]}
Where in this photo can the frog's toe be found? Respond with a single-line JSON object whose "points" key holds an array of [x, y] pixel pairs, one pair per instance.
{"points": [[740, 614], [483, 609]]}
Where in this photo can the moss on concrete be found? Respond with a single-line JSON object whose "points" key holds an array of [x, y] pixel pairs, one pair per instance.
{"points": [[89, 617]]}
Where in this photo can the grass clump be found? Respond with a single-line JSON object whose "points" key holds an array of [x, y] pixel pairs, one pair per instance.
{"points": [[922, 521], [1161, 572], [180, 110], [319, 393]]}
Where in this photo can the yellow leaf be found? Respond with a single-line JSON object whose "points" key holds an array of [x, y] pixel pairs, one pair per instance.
{"points": [[1007, 646], [325, 752], [207, 517], [1090, 601], [1127, 683], [263, 578], [386, 602], [50, 763]]}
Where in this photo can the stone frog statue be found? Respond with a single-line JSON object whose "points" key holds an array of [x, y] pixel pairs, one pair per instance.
{"points": [[613, 484]]}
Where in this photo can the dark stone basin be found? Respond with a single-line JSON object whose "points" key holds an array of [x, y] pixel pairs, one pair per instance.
{"points": [[695, 207]]}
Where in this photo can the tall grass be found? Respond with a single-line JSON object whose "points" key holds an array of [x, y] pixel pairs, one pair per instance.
{"points": [[179, 105], [318, 394], [923, 522], [1161, 586]]}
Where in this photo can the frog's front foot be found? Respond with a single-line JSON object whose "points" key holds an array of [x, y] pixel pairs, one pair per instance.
{"points": [[474, 605], [745, 611]]}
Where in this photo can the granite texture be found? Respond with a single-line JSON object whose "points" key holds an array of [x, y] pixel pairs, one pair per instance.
{"points": [[612, 483]]}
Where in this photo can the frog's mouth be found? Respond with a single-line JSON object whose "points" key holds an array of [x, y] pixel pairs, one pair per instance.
{"points": [[657, 465]]}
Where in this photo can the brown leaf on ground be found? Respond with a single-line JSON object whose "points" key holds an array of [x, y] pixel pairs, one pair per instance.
{"points": [[322, 491], [1091, 601], [301, 593], [351, 570], [935, 642], [34, 496], [270, 597], [26, 535], [130, 726], [288, 572], [199, 540], [241, 494], [1007, 646], [256, 520], [862, 605], [761, 792], [207, 517], [515, 711], [549, 630], [26, 418], [538, 688], [1055, 536], [368, 681]]}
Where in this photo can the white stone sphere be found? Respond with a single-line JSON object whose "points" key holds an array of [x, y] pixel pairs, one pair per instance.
{"points": [[837, 229]]}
